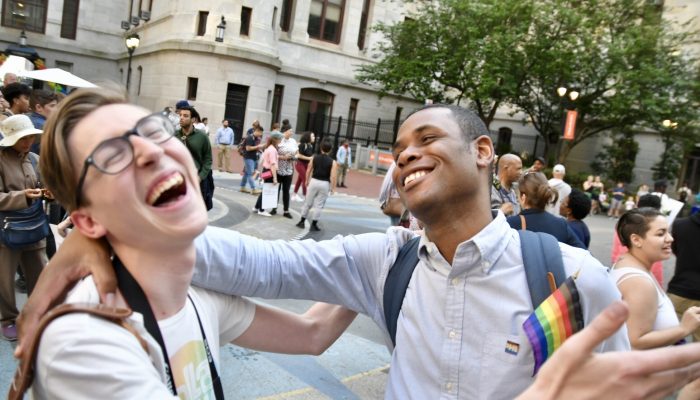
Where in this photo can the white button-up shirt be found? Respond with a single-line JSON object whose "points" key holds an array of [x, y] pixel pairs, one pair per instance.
{"points": [[456, 320]]}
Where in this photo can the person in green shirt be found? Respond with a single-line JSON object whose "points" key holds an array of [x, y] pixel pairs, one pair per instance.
{"points": [[199, 146]]}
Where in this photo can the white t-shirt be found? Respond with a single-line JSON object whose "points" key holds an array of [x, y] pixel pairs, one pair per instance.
{"points": [[564, 191], [86, 357]]}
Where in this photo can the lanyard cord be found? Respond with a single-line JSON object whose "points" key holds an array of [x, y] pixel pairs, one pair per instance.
{"points": [[137, 300], [216, 380]]}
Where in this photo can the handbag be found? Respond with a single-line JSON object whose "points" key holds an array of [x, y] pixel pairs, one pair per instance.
{"points": [[24, 227], [266, 174]]}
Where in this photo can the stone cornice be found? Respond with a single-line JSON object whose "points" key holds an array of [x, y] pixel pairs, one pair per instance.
{"points": [[208, 48]]}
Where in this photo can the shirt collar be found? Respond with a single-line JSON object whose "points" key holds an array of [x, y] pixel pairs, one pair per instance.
{"points": [[493, 240], [490, 242]]}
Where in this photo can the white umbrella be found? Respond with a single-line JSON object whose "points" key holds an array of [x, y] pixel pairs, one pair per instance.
{"points": [[57, 75]]}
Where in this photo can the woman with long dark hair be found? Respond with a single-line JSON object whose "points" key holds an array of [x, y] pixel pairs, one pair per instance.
{"points": [[304, 155], [535, 195]]}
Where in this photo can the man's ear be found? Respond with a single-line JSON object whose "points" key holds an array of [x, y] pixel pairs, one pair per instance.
{"points": [[484, 151], [89, 227]]}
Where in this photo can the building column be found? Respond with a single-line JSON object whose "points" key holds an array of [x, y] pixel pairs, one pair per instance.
{"points": [[351, 26], [300, 21]]}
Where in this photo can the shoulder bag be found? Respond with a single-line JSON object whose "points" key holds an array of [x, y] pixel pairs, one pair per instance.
{"points": [[24, 227]]}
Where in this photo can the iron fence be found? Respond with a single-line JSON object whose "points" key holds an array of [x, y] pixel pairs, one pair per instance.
{"points": [[382, 134]]}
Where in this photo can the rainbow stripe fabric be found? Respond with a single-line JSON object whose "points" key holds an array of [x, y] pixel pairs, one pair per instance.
{"points": [[554, 321]]}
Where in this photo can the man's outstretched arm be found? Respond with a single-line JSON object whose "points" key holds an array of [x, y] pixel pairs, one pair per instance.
{"points": [[575, 372]]}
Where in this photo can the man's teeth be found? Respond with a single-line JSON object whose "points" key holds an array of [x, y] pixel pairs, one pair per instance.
{"points": [[414, 176], [167, 184]]}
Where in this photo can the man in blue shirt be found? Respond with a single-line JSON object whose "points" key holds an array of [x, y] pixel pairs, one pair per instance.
{"points": [[224, 140], [42, 102], [344, 159], [459, 333]]}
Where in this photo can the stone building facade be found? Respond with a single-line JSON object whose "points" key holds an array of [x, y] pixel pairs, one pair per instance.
{"points": [[279, 59]]}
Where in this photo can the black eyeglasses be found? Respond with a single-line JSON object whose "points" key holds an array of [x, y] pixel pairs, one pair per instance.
{"points": [[114, 155]]}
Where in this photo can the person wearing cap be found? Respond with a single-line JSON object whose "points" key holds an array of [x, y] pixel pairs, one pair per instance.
{"points": [[537, 165], [20, 188], [17, 95], [182, 104], [557, 183]]}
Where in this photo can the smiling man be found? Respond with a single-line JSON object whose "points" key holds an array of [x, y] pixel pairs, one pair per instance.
{"points": [[460, 332]]}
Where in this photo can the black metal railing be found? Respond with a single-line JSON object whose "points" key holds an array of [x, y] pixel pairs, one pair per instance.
{"points": [[382, 134]]}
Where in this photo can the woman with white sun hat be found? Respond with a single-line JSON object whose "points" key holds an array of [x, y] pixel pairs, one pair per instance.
{"points": [[20, 188]]}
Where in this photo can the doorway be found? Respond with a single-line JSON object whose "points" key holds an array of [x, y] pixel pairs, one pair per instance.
{"points": [[236, 101]]}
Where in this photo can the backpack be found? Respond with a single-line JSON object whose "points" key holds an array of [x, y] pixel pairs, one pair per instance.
{"points": [[241, 146], [541, 258]]}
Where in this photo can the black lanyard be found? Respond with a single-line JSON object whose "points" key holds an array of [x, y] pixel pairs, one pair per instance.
{"points": [[137, 300]]}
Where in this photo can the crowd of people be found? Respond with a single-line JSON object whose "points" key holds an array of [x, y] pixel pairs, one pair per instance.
{"points": [[466, 307]]}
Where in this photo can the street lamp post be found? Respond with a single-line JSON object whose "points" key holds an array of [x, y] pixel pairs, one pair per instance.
{"points": [[569, 123], [132, 42], [220, 30]]}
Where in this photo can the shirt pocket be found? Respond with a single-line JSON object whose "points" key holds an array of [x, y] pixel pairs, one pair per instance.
{"points": [[506, 366]]}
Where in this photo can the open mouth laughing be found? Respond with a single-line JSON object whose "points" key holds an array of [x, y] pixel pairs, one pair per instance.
{"points": [[412, 177], [167, 191]]}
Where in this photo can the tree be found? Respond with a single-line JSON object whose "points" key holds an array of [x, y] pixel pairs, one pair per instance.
{"points": [[618, 54], [617, 160], [621, 57], [453, 51]]}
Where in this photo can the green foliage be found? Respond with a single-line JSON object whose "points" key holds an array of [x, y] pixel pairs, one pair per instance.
{"points": [[616, 161], [576, 179], [620, 55], [452, 51]]}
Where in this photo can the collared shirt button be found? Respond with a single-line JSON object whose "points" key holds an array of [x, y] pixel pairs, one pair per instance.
{"points": [[486, 264], [452, 334], [448, 386], [454, 281]]}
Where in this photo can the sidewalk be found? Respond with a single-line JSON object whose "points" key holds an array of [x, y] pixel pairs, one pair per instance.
{"points": [[360, 182]]}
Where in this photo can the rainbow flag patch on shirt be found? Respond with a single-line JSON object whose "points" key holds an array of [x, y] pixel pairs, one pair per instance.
{"points": [[554, 321]]}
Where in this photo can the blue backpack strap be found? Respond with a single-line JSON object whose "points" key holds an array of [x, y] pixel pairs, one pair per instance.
{"points": [[541, 255], [397, 282]]}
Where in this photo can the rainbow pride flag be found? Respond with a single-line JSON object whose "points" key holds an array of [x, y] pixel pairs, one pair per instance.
{"points": [[554, 321]]}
